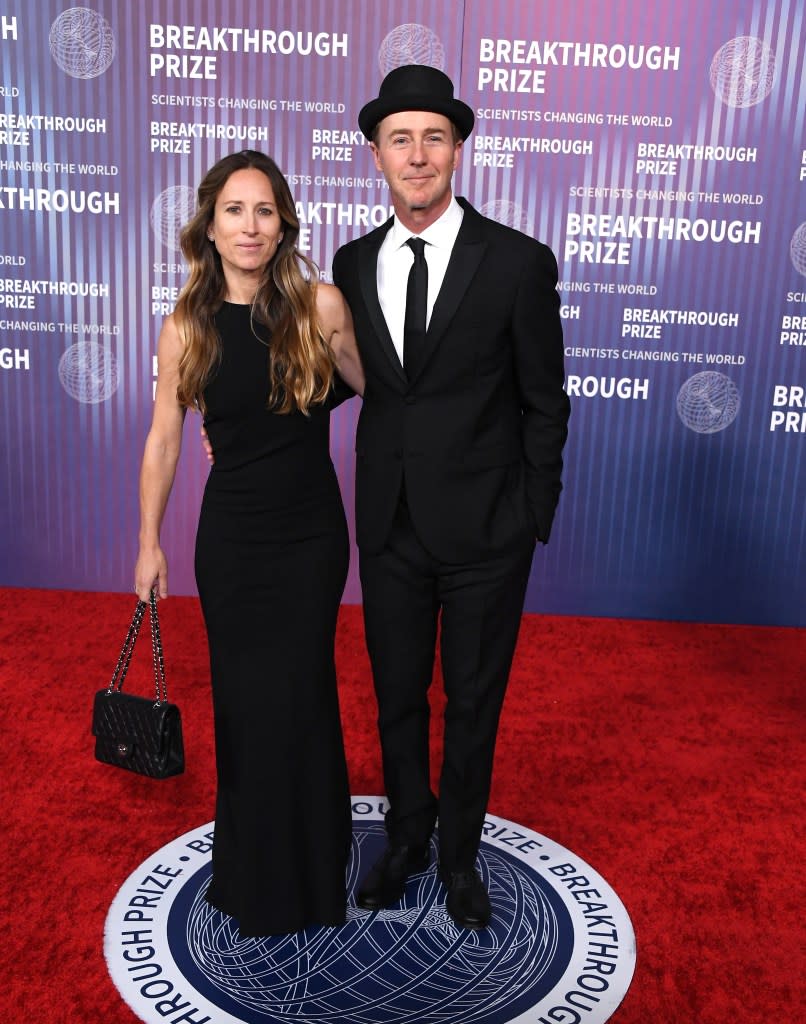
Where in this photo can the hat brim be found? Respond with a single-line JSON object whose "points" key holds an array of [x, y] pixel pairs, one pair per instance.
{"points": [[376, 110]]}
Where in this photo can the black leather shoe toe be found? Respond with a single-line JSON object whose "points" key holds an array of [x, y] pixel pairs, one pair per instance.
{"points": [[385, 882], [467, 901]]}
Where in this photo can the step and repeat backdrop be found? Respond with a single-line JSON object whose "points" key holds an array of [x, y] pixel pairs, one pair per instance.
{"points": [[659, 150]]}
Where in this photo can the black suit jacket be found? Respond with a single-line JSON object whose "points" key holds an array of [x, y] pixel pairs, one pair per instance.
{"points": [[477, 427]]}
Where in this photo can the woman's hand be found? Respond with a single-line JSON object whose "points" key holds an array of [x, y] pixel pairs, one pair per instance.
{"points": [[151, 572]]}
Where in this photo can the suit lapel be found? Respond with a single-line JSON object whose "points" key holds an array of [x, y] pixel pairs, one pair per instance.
{"points": [[468, 251], [368, 281]]}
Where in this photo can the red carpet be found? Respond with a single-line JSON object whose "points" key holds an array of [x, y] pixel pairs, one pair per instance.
{"points": [[669, 756]]}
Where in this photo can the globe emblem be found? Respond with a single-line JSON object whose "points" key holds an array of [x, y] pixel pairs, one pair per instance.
{"points": [[343, 974], [797, 249], [82, 42], [506, 212], [408, 964], [708, 402], [410, 44], [742, 72], [88, 372], [170, 211]]}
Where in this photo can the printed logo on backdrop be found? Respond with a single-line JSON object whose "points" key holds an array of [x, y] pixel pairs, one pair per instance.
{"points": [[88, 372], [506, 212], [410, 44], [797, 249], [561, 945], [82, 42], [170, 211], [708, 402], [742, 72]]}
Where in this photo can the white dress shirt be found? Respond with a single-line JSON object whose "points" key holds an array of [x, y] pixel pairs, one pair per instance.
{"points": [[395, 259]]}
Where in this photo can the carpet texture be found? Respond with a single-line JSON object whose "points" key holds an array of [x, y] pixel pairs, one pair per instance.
{"points": [[669, 756]]}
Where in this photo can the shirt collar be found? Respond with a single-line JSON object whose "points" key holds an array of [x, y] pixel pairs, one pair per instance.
{"points": [[441, 234]]}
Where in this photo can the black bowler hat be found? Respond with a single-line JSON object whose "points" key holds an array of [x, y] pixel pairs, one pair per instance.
{"points": [[416, 87]]}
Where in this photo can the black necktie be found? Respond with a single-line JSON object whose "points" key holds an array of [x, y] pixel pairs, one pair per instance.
{"points": [[416, 302]]}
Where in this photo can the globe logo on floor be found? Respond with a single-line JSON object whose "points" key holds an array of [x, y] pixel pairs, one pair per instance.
{"points": [[560, 948]]}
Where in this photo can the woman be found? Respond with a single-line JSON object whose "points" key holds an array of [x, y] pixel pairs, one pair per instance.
{"points": [[254, 344]]}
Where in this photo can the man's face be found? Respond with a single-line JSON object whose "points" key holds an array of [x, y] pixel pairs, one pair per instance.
{"points": [[416, 153]]}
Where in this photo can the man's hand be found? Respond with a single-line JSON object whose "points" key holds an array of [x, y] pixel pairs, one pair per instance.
{"points": [[208, 448]]}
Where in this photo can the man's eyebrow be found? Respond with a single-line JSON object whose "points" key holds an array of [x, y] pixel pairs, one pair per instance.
{"points": [[436, 130]]}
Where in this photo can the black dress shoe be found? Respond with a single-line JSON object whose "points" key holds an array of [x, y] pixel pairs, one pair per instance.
{"points": [[467, 901], [385, 882]]}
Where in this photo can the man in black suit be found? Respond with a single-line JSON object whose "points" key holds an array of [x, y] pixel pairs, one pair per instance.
{"points": [[458, 463]]}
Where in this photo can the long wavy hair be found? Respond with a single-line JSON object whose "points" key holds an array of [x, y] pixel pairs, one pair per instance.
{"points": [[301, 363]]}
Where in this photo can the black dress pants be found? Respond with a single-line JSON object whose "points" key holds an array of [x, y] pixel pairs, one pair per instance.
{"points": [[407, 594]]}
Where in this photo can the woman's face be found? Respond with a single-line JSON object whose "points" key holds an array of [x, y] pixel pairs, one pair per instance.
{"points": [[246, 227]]}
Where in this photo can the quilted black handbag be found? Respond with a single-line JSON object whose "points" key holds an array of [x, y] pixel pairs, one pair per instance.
{"points": [[141, 734]]}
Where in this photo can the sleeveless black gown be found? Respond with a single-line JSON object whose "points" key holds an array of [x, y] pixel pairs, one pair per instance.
{"points": [[271, 563]]}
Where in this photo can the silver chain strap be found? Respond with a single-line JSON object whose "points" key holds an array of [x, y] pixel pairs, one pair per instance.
{"points": [[124, 660], [156, 650]]}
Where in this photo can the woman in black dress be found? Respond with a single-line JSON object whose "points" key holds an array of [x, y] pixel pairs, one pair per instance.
{"points": [[255, 343]]}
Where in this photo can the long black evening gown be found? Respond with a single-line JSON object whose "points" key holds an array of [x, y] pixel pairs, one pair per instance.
{"points": [[271, 563]]}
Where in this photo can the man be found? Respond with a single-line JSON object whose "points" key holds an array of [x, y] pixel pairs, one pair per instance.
{"points": [[458, 463]]}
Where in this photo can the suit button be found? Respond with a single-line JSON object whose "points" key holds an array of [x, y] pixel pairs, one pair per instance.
{"points": [[410, 399], [397, 453]]}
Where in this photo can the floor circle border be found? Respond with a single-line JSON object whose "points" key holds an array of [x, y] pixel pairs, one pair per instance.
{"points": [[596, 971]]}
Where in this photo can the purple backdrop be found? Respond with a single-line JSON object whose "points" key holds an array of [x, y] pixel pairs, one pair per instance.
{"points": [[661, 155]]}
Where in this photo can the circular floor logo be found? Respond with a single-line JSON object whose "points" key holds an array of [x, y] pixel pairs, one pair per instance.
{"points": [[560, 948]]}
